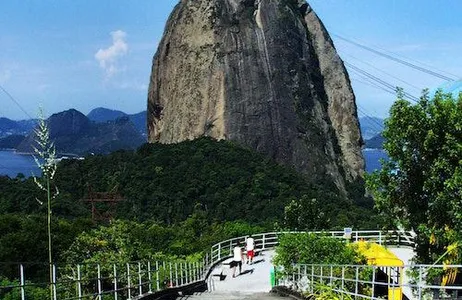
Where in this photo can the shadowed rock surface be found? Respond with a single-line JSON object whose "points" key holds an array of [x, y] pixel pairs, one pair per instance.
{"points": [[264, 73]]}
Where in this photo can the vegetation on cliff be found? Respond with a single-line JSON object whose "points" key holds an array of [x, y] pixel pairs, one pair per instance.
{"points": [[168, 182]]}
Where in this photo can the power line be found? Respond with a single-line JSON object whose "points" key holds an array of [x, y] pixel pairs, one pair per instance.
{"points": [[398, 60], [376, 124], [368, 82], [16, 102], [455, 76], [384, 72], [380, 81]]}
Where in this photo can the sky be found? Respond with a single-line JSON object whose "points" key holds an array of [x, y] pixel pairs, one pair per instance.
{"points": [[85, 54]]}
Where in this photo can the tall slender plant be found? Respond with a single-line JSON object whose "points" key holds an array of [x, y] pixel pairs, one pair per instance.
{"points": [[45, 159]]}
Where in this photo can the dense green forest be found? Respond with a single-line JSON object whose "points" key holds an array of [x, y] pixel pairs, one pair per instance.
{"points": [[178, 200]]}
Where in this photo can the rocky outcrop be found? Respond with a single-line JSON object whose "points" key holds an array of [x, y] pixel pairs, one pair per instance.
{"points": [[264, 73]]}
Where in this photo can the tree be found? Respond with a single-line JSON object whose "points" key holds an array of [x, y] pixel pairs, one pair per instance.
{"points": [[46, 160], [419, 188], [305, 214]]}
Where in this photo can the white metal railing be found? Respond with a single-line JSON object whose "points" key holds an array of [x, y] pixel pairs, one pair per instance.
{"points": [[371, 282], [265, 241], [111, 281], [136, 279]]}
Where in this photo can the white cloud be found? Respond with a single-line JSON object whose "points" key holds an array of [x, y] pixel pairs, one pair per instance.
{"points": [[5, 75], [108, 57]]}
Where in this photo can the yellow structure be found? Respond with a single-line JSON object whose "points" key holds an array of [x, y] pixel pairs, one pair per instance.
{"points": [[380, 256]]}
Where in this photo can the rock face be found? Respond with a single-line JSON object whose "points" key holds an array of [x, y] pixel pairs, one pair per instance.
{"points": [[264, 73]]}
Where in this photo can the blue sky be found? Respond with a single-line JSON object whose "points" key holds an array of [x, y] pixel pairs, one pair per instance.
{"points": [[84, 54]]}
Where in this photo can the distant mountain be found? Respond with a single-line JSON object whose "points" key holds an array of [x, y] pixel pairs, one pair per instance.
{"points": [[11, 127], [375, 143], [11, 141], [370, 127], [73, 132], [6, 123], [140, 122], [102, 114]]}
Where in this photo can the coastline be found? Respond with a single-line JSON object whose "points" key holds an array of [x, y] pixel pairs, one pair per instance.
{"points": [[58, 155], [13, 163], [373, 149]]}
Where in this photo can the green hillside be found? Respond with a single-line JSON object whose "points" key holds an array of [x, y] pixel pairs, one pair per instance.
{"points": [[194, 193]]}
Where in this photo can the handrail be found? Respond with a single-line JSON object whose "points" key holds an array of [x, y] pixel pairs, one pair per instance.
{"points": [[142, 278], [270, 240], [363, 281]]}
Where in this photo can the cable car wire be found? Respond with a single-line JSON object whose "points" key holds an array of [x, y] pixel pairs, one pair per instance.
{"points": [[16, 102], [398, 60]]}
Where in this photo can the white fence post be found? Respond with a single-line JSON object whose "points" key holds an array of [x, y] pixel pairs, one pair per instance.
{"points": [[54, 283], [170, 283], [129, 282], [23, 291], [79, 282], [149, 278], [116, 294], [176, 274], [98, 268], [140, 280], [157, 276]]}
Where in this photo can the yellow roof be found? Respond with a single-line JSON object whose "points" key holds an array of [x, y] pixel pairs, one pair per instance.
{"points": [[378, 255]]}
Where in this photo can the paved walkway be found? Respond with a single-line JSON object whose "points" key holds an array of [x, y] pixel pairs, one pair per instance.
{"points": [[254, 278], [252, 284]]}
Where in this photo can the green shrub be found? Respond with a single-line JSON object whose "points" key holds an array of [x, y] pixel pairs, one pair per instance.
{"points": [[307, 248]]}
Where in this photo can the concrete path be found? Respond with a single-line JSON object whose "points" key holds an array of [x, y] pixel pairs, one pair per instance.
{"points": [[252, 284], [254, 278], [254, 281]]}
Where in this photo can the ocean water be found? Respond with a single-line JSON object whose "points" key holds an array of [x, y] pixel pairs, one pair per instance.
{"points": [[12, 163], [372, 158]]}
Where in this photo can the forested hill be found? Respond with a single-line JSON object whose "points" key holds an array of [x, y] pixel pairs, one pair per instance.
{"points": [[167, 183]]}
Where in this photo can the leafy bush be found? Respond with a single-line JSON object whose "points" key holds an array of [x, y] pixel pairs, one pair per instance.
{"points": [[31, 292], [297, 249], [325, 292], [307, 248]]}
